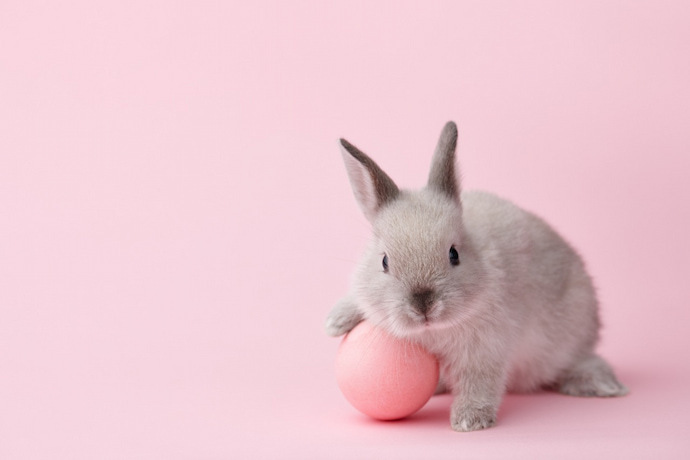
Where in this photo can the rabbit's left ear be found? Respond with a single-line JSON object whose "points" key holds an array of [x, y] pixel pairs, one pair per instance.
{"points": [[443, 177]]}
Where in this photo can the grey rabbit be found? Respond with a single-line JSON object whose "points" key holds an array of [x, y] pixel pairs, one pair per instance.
{"points": [[501, 300]]}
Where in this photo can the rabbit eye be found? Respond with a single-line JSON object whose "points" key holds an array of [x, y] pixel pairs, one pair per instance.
{"points": [[385, 263], [453, 256]]}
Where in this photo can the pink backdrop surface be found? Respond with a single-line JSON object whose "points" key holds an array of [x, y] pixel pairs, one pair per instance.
{"points": [[175, 220]]}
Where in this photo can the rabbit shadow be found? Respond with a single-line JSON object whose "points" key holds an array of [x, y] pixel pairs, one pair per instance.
{"points": [[529, 408]]}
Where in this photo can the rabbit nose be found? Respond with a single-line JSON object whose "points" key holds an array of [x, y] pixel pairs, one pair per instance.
{"points": [[422, 300]]}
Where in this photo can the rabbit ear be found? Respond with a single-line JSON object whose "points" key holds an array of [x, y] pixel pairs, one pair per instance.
{"points": [[372, 187], [442, 176]]}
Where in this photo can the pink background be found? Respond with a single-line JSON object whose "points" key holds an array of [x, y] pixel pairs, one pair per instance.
{"points": [[175, 220]]}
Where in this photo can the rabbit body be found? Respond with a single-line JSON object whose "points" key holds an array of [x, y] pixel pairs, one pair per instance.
{"points": [[494, 292]]}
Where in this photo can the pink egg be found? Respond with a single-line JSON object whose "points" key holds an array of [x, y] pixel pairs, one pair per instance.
{"points": [[384, 377]]}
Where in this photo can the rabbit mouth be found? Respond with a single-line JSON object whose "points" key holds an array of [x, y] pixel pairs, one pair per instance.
{"points": [[415, 325], [427, 317]]}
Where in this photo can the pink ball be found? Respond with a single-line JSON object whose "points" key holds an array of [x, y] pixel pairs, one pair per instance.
{"points": [[382, 376]]}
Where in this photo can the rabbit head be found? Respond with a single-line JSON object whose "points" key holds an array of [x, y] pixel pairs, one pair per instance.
{"points": [[419, 267]]}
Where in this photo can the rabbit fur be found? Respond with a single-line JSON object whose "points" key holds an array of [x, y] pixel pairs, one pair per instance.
{"points": [[517, 313]]}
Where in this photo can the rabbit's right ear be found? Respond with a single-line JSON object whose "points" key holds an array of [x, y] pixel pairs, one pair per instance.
{"points": [[372, 187], [443, 176]]}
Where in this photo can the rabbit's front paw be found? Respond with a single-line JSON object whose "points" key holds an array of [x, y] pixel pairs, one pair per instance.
{"points": [[343, 318], [337, 326], [472, 419]]}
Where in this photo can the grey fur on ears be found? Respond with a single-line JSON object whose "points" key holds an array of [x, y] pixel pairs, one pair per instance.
{"points": [[442, 176], [372, 187]]}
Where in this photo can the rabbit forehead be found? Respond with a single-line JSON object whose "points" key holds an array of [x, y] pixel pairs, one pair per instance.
{"points": [[418, 222]]}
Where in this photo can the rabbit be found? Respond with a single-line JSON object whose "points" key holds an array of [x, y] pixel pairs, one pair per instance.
{"points": [[502, 301]]}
